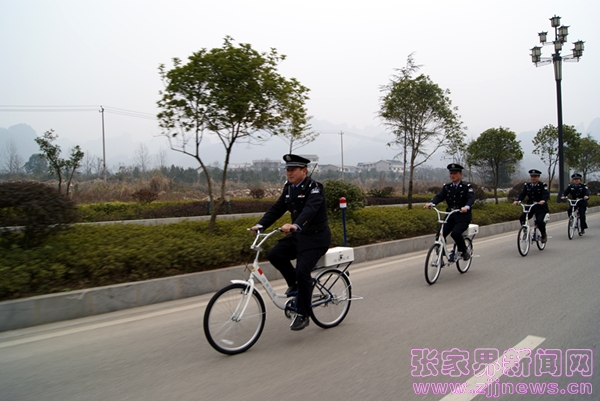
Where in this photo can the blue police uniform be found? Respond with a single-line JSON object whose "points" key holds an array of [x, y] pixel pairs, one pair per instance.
{"points": [[307, 207], [457, 196], [578, 191], [535, 193]]}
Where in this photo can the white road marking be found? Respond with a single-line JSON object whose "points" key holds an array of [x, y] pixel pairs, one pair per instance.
{"points": [[530, 342]]}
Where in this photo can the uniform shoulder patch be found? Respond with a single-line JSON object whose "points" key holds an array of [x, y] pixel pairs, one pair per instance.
{"points": [[470, 189], [315, 190]]}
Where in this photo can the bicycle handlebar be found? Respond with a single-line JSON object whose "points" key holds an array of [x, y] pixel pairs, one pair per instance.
{"points": [[439, 212], [526, 207], [262, 237]]}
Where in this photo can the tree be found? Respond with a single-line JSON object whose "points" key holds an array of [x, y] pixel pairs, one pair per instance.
{"points": [[588, 157], [12, 163], [62, 168], [498, 150], [234, 93], [298, 134], [546, 147], [142, 158], [37, 165], [420, 115]]}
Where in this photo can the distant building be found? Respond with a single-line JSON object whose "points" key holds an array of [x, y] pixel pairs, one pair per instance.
{"points": [[314, 160], [266, 163], [382, 165], [239, 166]]}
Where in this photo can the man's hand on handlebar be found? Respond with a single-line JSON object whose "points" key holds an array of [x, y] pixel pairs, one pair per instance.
{"points": [[288, 228], [428, 205], [255, 229]]}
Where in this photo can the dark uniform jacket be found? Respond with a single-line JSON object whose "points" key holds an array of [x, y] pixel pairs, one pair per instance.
{"points": [[535, 193], [577, 191], [308, 210], [457, 198]]}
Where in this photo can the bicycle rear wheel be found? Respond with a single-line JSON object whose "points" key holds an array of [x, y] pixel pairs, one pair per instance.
{"points": [[523, 242], [331, 297], [538, 240], [463, 265], [571, 227], [227, 331], [433, 263]]}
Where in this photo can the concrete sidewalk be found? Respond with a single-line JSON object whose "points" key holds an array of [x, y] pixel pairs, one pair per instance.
{"points": [[27, 312]]}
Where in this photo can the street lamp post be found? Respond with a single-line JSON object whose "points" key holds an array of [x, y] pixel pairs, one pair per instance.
{"points": [[560, 37]]}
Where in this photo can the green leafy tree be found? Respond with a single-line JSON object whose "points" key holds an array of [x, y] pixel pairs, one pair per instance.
{"points": [[546, 147], [421, 117], [588, 157], [495, 150], [37, 165], [234, 93], [64, 169]]}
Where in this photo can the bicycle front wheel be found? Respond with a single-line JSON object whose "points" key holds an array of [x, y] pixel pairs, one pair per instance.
{"points": [[331, 297], [571, 227], [229, 328], [433, 263], [523, 241], [463, 265], [538, 240]]}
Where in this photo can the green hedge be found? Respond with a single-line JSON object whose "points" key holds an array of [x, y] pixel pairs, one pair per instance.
{"points": [[94, 255]]}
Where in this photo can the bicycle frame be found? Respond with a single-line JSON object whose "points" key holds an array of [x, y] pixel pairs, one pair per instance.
{"points": [[526, 210], [572, 205], [280, 300], [439, 238]]}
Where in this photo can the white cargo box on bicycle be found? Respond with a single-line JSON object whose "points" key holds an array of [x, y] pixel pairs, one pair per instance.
{"points": [[235, 316]]}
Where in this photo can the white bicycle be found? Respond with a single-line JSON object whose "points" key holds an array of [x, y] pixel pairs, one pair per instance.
{"points": [[528, 234], [574, 219], [438, 256], [235, 316]]}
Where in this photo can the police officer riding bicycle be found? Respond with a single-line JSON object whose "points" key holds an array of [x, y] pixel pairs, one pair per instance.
{"points": [[308, 235], [535, 191], [578, 190], [458, 195]]}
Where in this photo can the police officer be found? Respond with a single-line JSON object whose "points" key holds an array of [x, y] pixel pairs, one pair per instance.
{"points": [[577, 190], [535, 191], [308, 235], [458, 195]]}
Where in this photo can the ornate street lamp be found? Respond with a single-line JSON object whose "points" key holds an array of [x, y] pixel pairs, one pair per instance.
{"points": [[560, 37]]}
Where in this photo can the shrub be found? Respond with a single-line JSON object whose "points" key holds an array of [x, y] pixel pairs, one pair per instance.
{"points": [[336, 189], [38, 209], [514, 192], [381, 193], [594, 187], [480, 195], [257, 193], [145, 196]]}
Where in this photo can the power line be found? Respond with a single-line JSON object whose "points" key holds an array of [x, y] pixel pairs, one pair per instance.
{"points": [[58, 109]]}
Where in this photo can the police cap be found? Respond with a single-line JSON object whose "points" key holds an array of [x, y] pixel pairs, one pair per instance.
{"points": [[295, 161], [454, 167], [576, 176], [535, 172]]}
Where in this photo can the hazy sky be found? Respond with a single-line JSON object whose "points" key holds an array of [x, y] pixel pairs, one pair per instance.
{"points": [[92, 53]]}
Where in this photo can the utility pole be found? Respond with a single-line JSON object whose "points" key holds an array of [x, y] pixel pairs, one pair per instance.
{"points": [[103, 144], [342, 142]]}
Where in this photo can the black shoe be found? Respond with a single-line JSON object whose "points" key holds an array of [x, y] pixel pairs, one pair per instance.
{"points": [[582, 232], [466, 256], [292, 290], [544, 239], [299, 323]]}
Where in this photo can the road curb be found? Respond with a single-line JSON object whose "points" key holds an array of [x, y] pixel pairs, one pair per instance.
{"points": [[44, 309]]}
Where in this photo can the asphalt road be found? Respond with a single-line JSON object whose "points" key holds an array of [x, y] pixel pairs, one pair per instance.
{"points": [[547, 301]]}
